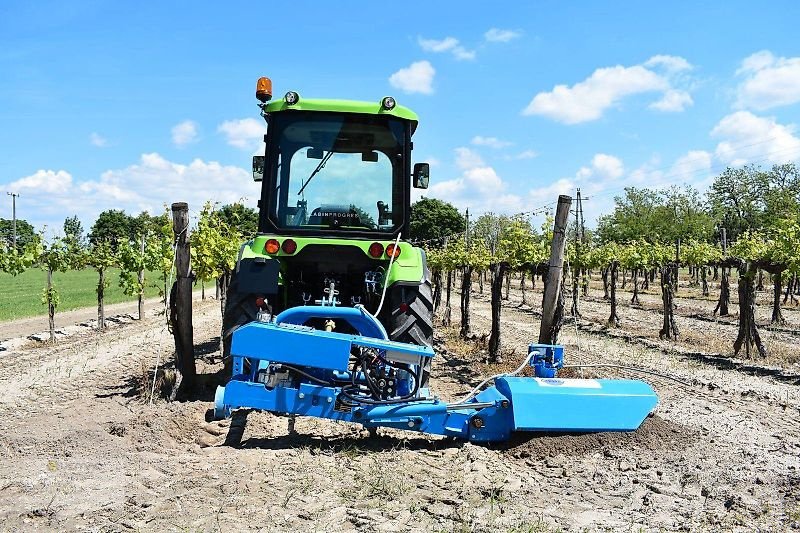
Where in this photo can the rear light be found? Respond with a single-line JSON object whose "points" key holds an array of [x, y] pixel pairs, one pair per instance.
{"points": [[289, 246], [403, 307], [376, 250], [260, 302], [391, 250], [272, 246]]}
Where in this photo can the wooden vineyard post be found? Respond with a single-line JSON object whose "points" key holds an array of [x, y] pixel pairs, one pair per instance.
{"points": [[181, 305], [724, 285], [552, 312], [498, 273]]}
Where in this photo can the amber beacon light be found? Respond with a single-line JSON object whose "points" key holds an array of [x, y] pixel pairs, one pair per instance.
{"points": [[264, 89]]}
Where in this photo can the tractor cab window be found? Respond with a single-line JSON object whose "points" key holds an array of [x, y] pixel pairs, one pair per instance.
{"points": [[337, 171]]}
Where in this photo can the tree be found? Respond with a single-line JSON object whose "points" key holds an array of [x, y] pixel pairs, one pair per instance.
{"points": [[244, 219], [657, 216], [435, 219], [25, 232], [146, 224], [114, 226], [73, 231]]}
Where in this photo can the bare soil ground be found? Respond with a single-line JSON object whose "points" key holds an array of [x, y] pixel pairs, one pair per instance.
{"points": [[81, 448]]}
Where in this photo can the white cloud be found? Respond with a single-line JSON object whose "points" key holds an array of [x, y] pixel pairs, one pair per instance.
{"points": [[147, 185], [692, 165], [496, 35], [673, 100], [246, 133], [43, 181], [479, 187], [525, 154], [491, 142], [415, 78], [747, 138], [97, 140], [769, 81], [606, 87], [603, 166], [466, 158], [670, 63], [184, 133], [756, 62], [448, 44]]}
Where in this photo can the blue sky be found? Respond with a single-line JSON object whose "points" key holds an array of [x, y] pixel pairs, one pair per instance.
{"points": [[133, 105]]}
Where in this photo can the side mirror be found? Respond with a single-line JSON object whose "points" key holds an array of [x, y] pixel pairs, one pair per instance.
{"points": [[314, 153], [422, 173], [258, 167]]}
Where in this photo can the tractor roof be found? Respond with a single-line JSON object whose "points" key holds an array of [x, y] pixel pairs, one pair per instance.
{"points": [[341, 106]]}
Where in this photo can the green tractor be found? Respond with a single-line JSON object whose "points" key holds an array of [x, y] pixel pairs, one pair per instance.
{"points": [[334, 218]]}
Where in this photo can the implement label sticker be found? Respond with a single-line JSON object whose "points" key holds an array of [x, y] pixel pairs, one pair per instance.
{"points": [[569, 383]]}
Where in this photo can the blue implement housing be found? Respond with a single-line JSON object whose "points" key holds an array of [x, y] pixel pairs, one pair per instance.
{"points": [[285, 367]]}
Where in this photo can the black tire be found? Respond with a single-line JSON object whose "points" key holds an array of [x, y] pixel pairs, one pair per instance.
{"points": [[415, 324], [240, 308]]}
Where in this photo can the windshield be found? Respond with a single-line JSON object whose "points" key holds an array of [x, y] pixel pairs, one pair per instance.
{"points": [[337, 171]]}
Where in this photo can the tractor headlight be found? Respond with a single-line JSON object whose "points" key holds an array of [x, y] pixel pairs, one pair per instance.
{"points": [[291, 98], [388, 103]]}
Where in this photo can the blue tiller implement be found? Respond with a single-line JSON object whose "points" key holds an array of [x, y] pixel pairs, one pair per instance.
{"points": [[282, 366]]}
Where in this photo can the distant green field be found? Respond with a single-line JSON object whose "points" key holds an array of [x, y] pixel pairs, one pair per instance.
{"points": [[21, 296]]}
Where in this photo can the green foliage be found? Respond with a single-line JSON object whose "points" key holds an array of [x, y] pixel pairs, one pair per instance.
{"points": [[57, 256], [112, 225], [157, 256], [146, 224], [131, 262], [750, 246], [214, 245], [16, 261], [657, 216], [488, 228], [519, 246], [73, 231], [243, 219], [698, 253], [50, 296], [785, 244], [25, 233], [435, 219], [751, 199]]}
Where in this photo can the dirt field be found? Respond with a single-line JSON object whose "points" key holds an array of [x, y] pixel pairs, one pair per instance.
{"points": [[80, 448]]}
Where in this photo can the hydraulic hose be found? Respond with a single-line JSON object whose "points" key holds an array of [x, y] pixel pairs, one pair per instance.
{"points": [[477, 389]]}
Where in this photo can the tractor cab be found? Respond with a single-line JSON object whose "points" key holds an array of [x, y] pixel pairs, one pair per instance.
{"points": [[337, 168]]}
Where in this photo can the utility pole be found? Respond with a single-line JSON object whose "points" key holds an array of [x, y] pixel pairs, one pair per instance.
{"points": [[576, 267], [14, 196], [466, 233]]}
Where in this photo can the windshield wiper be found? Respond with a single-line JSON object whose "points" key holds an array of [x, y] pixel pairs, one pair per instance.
{"points": [[319, 167]]}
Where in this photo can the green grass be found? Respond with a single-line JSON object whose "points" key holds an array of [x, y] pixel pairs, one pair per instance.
{"points": [[21, 296]]}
